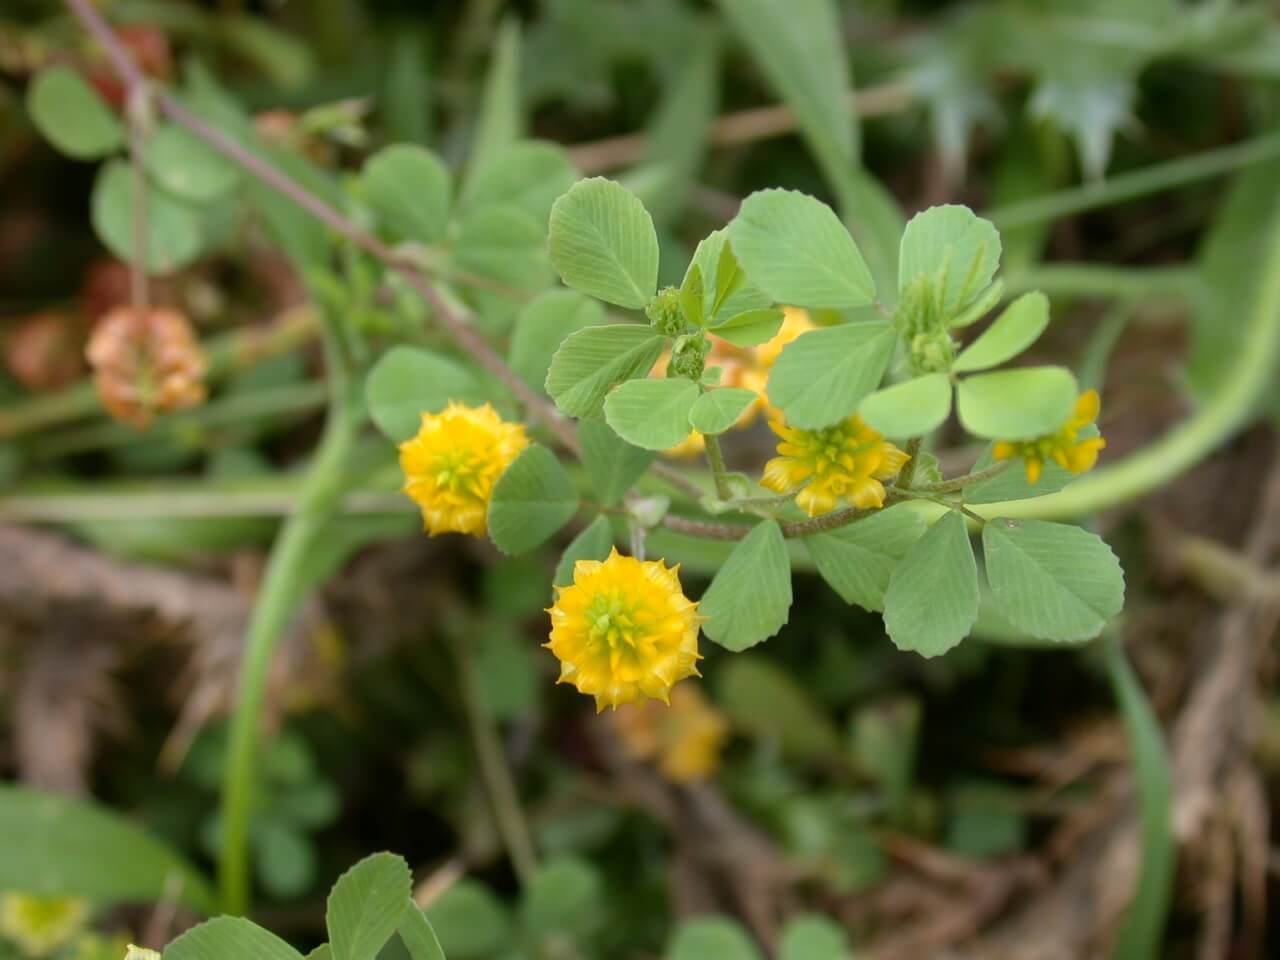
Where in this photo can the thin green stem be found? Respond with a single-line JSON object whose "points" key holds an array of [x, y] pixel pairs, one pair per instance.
{"points": [[1138, 183], [277, 600], [1095, 280], [766, 503], [959, 483], [499, 784], [715, 457]]}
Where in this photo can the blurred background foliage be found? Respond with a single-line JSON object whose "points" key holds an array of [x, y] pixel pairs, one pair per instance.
{"points": [[825, 793]]}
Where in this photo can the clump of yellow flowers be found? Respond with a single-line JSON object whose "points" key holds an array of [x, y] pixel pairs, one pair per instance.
{"points": [[623, 631], [684, 740], [41, 925], [452, 463], [845, 462], [1064, 446]]}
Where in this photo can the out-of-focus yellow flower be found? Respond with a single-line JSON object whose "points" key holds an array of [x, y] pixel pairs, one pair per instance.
{"points": [[450, 467], [746, 367], [684, 739], [1064, 446], [140, 953], [40, 925], [623, 631], [95, 946], [795, 321], [846, 462]]}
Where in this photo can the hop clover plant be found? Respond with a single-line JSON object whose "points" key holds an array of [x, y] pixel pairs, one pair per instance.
{"points": [[852, 400]]}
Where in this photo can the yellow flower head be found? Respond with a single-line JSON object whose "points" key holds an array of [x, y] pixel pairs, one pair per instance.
{"points": [[1063, 446], [842, 462], [450, 467], [623, 631], [684, 739], [40, 925]]}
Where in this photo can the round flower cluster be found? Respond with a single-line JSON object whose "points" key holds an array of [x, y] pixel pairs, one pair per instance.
{"points": [[683, 740], [146, 361], [845, 462], [452, 463], [623, 631]]}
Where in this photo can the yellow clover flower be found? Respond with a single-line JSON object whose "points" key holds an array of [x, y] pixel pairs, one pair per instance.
{"points": [[623, 631], [684, 740], [450, 467], [41, 925], [846, 462], [1064, 446]]}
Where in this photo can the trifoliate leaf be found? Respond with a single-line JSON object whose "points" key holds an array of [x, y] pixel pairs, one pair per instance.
{"points": [[932, 599], [603, 243], [651, 413], [528, 175], [796, 250], [1055, 581], [910, 408], [750, 328], [955, 248], [408, 382], [532, 499], [858, 559], [409, 189], [188, 167], [593, 543], [365, 906], [174, 228], [71, 115], [1016, 404], [591, 361], [541, 327], [612, 464], [822, 376], [750, 597], [718, 410], [1017, 328]]}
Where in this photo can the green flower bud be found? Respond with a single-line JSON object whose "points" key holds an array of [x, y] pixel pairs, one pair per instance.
{"points": [[932, 352], [664, 312], [689, 356]]}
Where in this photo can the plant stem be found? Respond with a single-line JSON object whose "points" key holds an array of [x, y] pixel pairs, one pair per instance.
{"points": [[277, 599], [137, 109], [1138, 183], [1097, 280], [959, 483], [494, 769], [715, 457]]}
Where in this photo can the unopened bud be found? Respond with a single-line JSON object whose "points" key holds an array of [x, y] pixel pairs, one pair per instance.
{"points": [[689, 356], [146, 361], [664, 312]]}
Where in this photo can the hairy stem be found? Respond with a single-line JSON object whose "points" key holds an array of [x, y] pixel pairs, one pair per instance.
{"points": [[959, 483], [715, 457]]}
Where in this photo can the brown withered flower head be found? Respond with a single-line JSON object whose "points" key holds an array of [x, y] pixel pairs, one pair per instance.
{"points": [[146, 361]]}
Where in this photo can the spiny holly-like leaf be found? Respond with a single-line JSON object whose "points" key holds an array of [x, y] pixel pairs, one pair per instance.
{"points": [[1055, 581], [366, 906], [603, 243], [822, 376], [795, 249], [750, 597], [651, 413], [932, 599], [590, 362], [532, 499]]}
